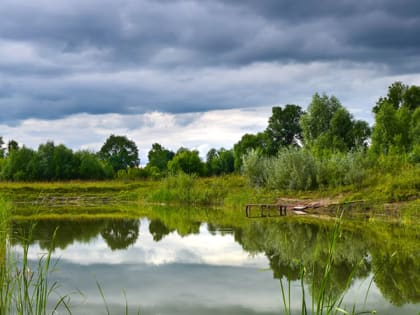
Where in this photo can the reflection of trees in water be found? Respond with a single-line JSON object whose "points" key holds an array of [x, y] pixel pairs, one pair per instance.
{"points": [[118, 233], [184, 221], [121, 233], [288, 244], [67, 232], [291, 246], [158, 230], [398, 275]]}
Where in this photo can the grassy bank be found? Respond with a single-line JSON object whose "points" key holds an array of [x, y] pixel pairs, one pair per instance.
{"points": [[395, 195]]}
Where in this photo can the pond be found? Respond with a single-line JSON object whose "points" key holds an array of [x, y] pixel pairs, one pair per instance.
{"points": [[174, 261]]}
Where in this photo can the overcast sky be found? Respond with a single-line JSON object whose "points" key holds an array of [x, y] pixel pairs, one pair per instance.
{"points": [[197, 73]]}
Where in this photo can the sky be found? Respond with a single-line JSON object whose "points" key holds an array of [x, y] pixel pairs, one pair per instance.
{"points": [[196, 73]]}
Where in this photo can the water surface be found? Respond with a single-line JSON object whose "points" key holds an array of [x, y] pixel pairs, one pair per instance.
{"points": [[168, 263]]}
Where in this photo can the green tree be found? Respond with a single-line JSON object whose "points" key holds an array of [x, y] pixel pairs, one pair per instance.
{"points": [[328, 126], [316, 121], [361, 133], [1, 148], [220, 161], [45, 164], [397, 121], [20, 165], [412, 97], [12, 145], [415, 135], [283, 127], [119, 152], [391, 129], [159, 157], [89, 166], [65, 166], [247, 143], [400, 95], [186, 161]]}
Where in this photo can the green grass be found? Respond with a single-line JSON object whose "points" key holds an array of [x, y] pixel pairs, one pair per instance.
{"points": [[23, 290], [117, 198]]}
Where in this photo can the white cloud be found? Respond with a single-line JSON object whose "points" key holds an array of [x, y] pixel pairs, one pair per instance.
{"points": [[200, 131]]}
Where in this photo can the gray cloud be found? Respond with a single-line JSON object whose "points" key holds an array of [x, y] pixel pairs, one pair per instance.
{"points": [[59, 58]]}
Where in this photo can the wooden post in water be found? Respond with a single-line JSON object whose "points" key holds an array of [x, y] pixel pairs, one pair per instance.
{"points": [[265, 210]]}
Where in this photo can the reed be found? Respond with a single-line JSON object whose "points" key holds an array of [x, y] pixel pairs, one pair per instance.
{"points": [[323, 300], [25, 290]]}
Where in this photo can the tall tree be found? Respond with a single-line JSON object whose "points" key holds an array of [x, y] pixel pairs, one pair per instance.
{"points": [[400, 95], [1, 147], [20, 165], [159, 157], [247, 143], [283, 127], [45, 163], [391, 130], [220, 161], [65, 166], [328, 126], [316, 121], [396, 120], [119, 152], [186, 161], [12, 145]]}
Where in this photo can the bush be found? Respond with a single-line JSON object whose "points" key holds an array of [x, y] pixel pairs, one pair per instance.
{"points": [[255, 167], [293, 169], [299, 169]]}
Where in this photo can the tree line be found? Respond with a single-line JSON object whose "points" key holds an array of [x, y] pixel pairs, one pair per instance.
{"points": [[324, 129]]}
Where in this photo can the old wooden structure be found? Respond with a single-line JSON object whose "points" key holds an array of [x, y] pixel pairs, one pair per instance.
{"points": [[265, 210]]}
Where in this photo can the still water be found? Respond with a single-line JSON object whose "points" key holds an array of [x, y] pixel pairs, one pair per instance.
{"points": [[164, 263]]}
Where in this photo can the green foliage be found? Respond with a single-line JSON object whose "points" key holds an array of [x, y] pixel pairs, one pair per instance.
{"points": [[64, 163], [316, 121], [300, 169], [20, 165], [159, 157], [135, 173], [328, 126], [119, 152], [341, 169], [186, 161], [400, 95], [247, 143], [397, 121], [293, 169], [256, 167], [283, 127], [52, 162], [2, 150], [26, 291], [12, 145], [391, 131], [90, 167], [184, 188], [220, 162]]}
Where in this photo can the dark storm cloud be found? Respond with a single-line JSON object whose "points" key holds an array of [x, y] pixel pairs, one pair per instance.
{"points": [[101, 56]]}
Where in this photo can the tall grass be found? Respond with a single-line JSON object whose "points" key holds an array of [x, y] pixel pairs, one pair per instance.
{"points": [[323, 299], [23, 290], [187, 189]]}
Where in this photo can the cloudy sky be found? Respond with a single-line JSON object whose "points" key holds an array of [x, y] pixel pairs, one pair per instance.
{"points": [[197, 73]]}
